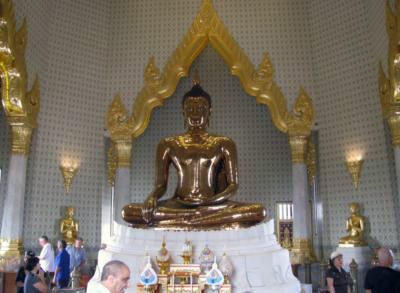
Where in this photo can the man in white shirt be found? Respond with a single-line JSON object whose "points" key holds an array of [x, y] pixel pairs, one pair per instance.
{"points": [[114, 279], [46, 256]]}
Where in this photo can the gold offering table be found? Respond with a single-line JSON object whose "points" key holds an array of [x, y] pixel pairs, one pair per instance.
{"points": [[181, 278]]}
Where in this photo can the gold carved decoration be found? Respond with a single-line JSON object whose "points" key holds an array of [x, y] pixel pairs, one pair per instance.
{"points": [[111, 164], [10, 254], [120, 127], [302, 251], [21, 107], [207, 28], [354, 168], [389, 88], [300, 122], [68, 170], [311, 162]]}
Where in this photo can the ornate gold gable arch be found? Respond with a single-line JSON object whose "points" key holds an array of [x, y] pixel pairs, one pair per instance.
{"points": [[21, 106], [158, 86]]}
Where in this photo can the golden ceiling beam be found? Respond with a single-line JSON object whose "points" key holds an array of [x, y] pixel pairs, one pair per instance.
{"points": [[207, 28]]}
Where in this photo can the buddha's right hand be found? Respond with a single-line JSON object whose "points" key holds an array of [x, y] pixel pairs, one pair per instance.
{"points": [[150, 204]]}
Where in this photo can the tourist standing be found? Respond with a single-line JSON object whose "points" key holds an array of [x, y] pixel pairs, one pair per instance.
{"points": [[61, 274], [77, 254], [46, 257], [337, 278], [382, 278], [114, 279], [20, 280], [34, 281]]}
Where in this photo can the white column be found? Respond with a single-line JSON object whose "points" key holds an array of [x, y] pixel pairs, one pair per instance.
{"points": [[302, 249], [122, 192], [301, 211], [11, 247], [13, 210], [122, 177]]}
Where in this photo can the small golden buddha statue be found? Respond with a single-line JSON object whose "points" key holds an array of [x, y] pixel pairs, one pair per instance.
{"points": [[69, 226], [355, 227], [163, 259], [286, 243], [207, 178]]}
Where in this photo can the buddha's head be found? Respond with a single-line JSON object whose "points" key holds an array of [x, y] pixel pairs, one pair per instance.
{"points": [[196, 106], [70, 212], [354, 208]]}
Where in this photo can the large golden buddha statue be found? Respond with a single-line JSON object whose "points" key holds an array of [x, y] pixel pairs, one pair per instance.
{"points": [[207, 178], [355, 227]]}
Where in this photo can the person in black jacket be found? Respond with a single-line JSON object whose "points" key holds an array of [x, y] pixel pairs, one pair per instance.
{"points": [[337, 278], [382, 278], [19, 282]]}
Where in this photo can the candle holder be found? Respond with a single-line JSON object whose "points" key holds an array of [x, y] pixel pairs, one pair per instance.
{"points": [[354, 168], [68, 170]]}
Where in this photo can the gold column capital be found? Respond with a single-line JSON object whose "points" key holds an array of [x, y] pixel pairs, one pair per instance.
{"points": [[298, 147], [302, 251], [21, 139], [394, 125], [300, 122], [124, 152]]}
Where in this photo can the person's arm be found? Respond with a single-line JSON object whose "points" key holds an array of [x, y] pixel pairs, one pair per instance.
{"points": [[55, 274], [19, 281], [83, 261], [329, 281], [368, 291], [348, 289], [40, 285], [230, 163]]}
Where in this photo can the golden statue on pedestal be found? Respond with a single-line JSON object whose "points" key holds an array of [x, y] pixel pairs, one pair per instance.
{"points": [[69, 227], [163, 259], [355, 227], [207, 178]]}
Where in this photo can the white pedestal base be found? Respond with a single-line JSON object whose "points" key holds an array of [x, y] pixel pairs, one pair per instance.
{"points": [[362, 256], [260, 263]]}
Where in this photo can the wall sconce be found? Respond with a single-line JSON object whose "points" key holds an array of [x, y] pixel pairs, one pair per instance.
{"points": [[68, 169], [354, 165]]}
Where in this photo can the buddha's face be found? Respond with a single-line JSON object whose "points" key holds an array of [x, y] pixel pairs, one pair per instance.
{"points": [[354, 208], [70, 212], [196, 111]]}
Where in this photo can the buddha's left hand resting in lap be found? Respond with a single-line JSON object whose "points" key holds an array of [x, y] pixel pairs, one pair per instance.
{"points": [[207, 178]]}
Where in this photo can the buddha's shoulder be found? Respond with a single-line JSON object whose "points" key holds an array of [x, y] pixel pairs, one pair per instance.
{"points": [[221, 139]]}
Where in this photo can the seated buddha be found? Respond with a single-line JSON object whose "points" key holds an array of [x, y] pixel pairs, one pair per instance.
{"points": [[355, 227], [206, 168]]}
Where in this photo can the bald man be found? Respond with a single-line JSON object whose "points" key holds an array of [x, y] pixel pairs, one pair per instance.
{"points": [[114, 278], [382, 278]]}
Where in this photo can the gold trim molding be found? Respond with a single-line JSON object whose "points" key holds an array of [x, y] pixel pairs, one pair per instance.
{"points": [[21, 106], [11, 254], [389, 88], [311, 162], [207, 28]]}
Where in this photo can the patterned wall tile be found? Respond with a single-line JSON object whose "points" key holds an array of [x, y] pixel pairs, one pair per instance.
{"points": [[349, 117]]}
